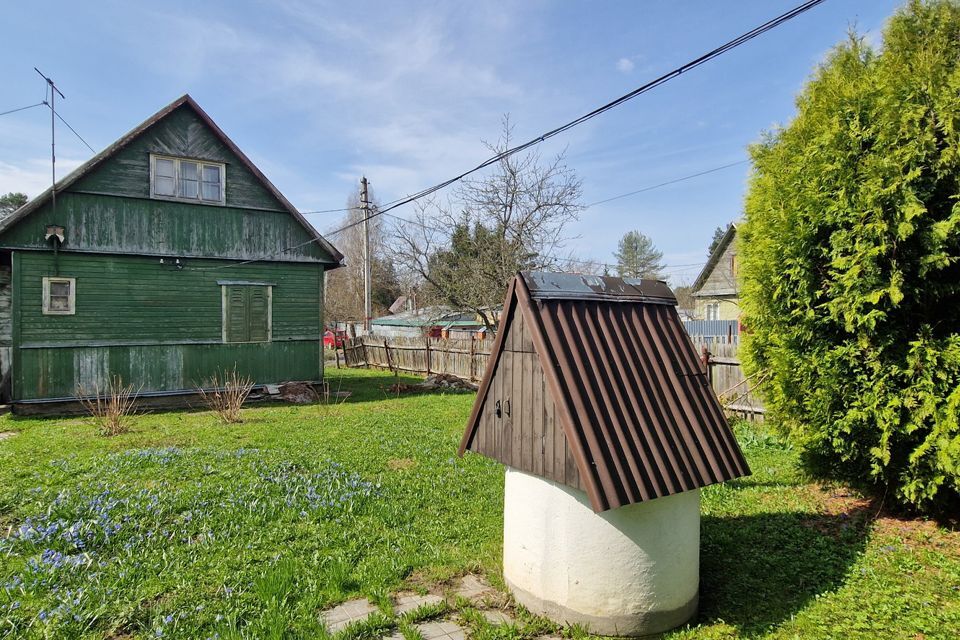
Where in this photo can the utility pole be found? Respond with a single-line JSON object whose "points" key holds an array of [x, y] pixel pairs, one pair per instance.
{"points": [[367, 300], [53, 146]]}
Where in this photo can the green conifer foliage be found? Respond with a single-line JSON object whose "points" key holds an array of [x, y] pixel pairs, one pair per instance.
{"points": [[850, 262]]}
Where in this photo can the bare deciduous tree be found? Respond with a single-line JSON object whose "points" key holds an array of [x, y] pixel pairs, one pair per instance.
{"points": [[515, 218]]}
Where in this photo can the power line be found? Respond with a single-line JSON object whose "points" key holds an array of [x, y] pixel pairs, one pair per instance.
{"points": [[703, 59], [23, 108], [667, 183], [327, 211], [728, 46]]}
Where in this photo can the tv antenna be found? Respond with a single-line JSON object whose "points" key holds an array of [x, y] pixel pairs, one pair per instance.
{"points": [[53, 90]]}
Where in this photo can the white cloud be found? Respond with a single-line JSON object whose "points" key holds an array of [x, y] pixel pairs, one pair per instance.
{"points": [[32, 176], [625, 65]]}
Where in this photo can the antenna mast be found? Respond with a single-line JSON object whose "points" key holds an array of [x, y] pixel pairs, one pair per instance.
{"points": [[53, 133]]}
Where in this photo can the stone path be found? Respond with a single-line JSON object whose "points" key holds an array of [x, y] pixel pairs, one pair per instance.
{"points": [[409, 601], [344, 614], [471, 587], [7, 434], [441, 630]]}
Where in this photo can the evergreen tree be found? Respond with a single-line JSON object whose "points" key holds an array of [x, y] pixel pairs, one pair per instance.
{"points": [[637, 257], [718, 234], [10, 202], [850, 262]]}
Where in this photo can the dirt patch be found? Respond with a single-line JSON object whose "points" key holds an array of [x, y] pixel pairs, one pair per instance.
{"points": [[298, 393], [440, 381], [6, 435], [844, 508], [400, 464]]}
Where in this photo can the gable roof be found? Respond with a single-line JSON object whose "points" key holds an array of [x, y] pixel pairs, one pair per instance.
{"points": [[714, 258], [630, 394], [98, 159]]}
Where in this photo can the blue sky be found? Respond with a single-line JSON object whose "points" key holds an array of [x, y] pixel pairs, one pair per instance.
{"points": [[318, 93]]}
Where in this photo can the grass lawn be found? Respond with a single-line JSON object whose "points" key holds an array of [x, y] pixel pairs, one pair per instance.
{"points": [[187, 528]]}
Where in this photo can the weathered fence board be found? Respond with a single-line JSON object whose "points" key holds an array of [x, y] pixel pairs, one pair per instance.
{"points": [[465, 359], [738, 394]]}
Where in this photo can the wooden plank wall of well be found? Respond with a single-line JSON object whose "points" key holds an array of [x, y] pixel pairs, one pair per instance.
{"points": [[465, 359]]}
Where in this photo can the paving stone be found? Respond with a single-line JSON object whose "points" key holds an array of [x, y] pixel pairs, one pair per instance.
{"points": [[396, 635], [409, 601], [498, 617], [343, 614], [441, 630], [473, 587], [7, 434]]}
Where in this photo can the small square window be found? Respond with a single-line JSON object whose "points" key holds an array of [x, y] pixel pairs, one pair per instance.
{"points": [[59, 296]]}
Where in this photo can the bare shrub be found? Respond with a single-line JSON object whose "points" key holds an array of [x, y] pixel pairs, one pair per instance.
{"points": [[112, 407], [225, 394]]}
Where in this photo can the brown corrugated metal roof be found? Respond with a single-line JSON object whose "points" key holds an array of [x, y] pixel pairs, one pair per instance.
{"points": [[637, 412]]}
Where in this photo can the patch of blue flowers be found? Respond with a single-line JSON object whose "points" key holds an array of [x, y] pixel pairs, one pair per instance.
{"points": [[122, 511]]}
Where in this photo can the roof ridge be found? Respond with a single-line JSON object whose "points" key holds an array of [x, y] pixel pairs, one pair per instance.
{"points": [[110, 150]]}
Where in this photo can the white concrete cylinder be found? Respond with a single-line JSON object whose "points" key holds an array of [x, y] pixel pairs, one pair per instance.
{"points": [[625, 572]]}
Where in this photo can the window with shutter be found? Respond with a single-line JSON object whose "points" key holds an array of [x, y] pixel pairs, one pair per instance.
{"points": [[247, 313]]}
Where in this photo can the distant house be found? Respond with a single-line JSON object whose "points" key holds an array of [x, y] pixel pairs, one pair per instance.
{"points": [[434, 322], [715, 289], [163, 259]]}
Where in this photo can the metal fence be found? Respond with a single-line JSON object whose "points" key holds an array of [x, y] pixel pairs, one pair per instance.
{"points": [[465, 359], [713, 331]]}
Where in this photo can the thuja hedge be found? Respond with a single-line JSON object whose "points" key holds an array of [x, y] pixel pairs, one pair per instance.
{"points": [[849, 258]]}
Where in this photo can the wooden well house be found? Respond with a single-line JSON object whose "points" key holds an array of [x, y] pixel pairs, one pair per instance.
{"points": [[595, 400]]}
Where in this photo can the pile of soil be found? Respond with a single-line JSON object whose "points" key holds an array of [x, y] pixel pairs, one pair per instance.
{"points": [[441, 381], [298, 393]]}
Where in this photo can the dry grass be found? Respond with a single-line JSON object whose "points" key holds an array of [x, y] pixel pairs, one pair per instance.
{"points": [[111, 408], [225, 394]]}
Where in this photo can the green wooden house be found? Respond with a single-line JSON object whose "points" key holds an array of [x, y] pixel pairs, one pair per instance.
{"points": [[165, 259]]}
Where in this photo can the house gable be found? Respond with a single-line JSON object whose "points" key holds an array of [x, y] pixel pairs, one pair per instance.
{"points": [[106, 206], [719, 278]]}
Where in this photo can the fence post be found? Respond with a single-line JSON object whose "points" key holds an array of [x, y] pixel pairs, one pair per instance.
{"points": [[386, 351], [366, 356], [336, 352], [472, 350], [426, 341], [705, 360]]}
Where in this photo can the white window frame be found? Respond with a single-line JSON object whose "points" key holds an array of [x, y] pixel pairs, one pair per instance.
{"points": [[176, 179], [71, 302], [224, 308], [713, 309]]}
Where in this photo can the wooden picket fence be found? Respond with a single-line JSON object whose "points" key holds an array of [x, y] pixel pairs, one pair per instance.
{"points": [[465, 359], [738, 393]]}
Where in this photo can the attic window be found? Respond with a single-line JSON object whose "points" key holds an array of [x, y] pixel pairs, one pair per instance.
{"points": [[185, 179]]}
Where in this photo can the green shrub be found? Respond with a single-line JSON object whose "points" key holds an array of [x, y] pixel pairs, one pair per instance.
{"points": [[850, 262]]}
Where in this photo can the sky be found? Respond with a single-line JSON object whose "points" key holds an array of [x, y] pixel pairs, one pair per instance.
{"points": [[319, 93]]}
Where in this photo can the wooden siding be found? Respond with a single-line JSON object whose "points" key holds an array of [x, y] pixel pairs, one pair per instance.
{"points": [[6, 322], [110, 210], [721, 280], [529, 438], [181, 134], [109, 224], [156, 325]]}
